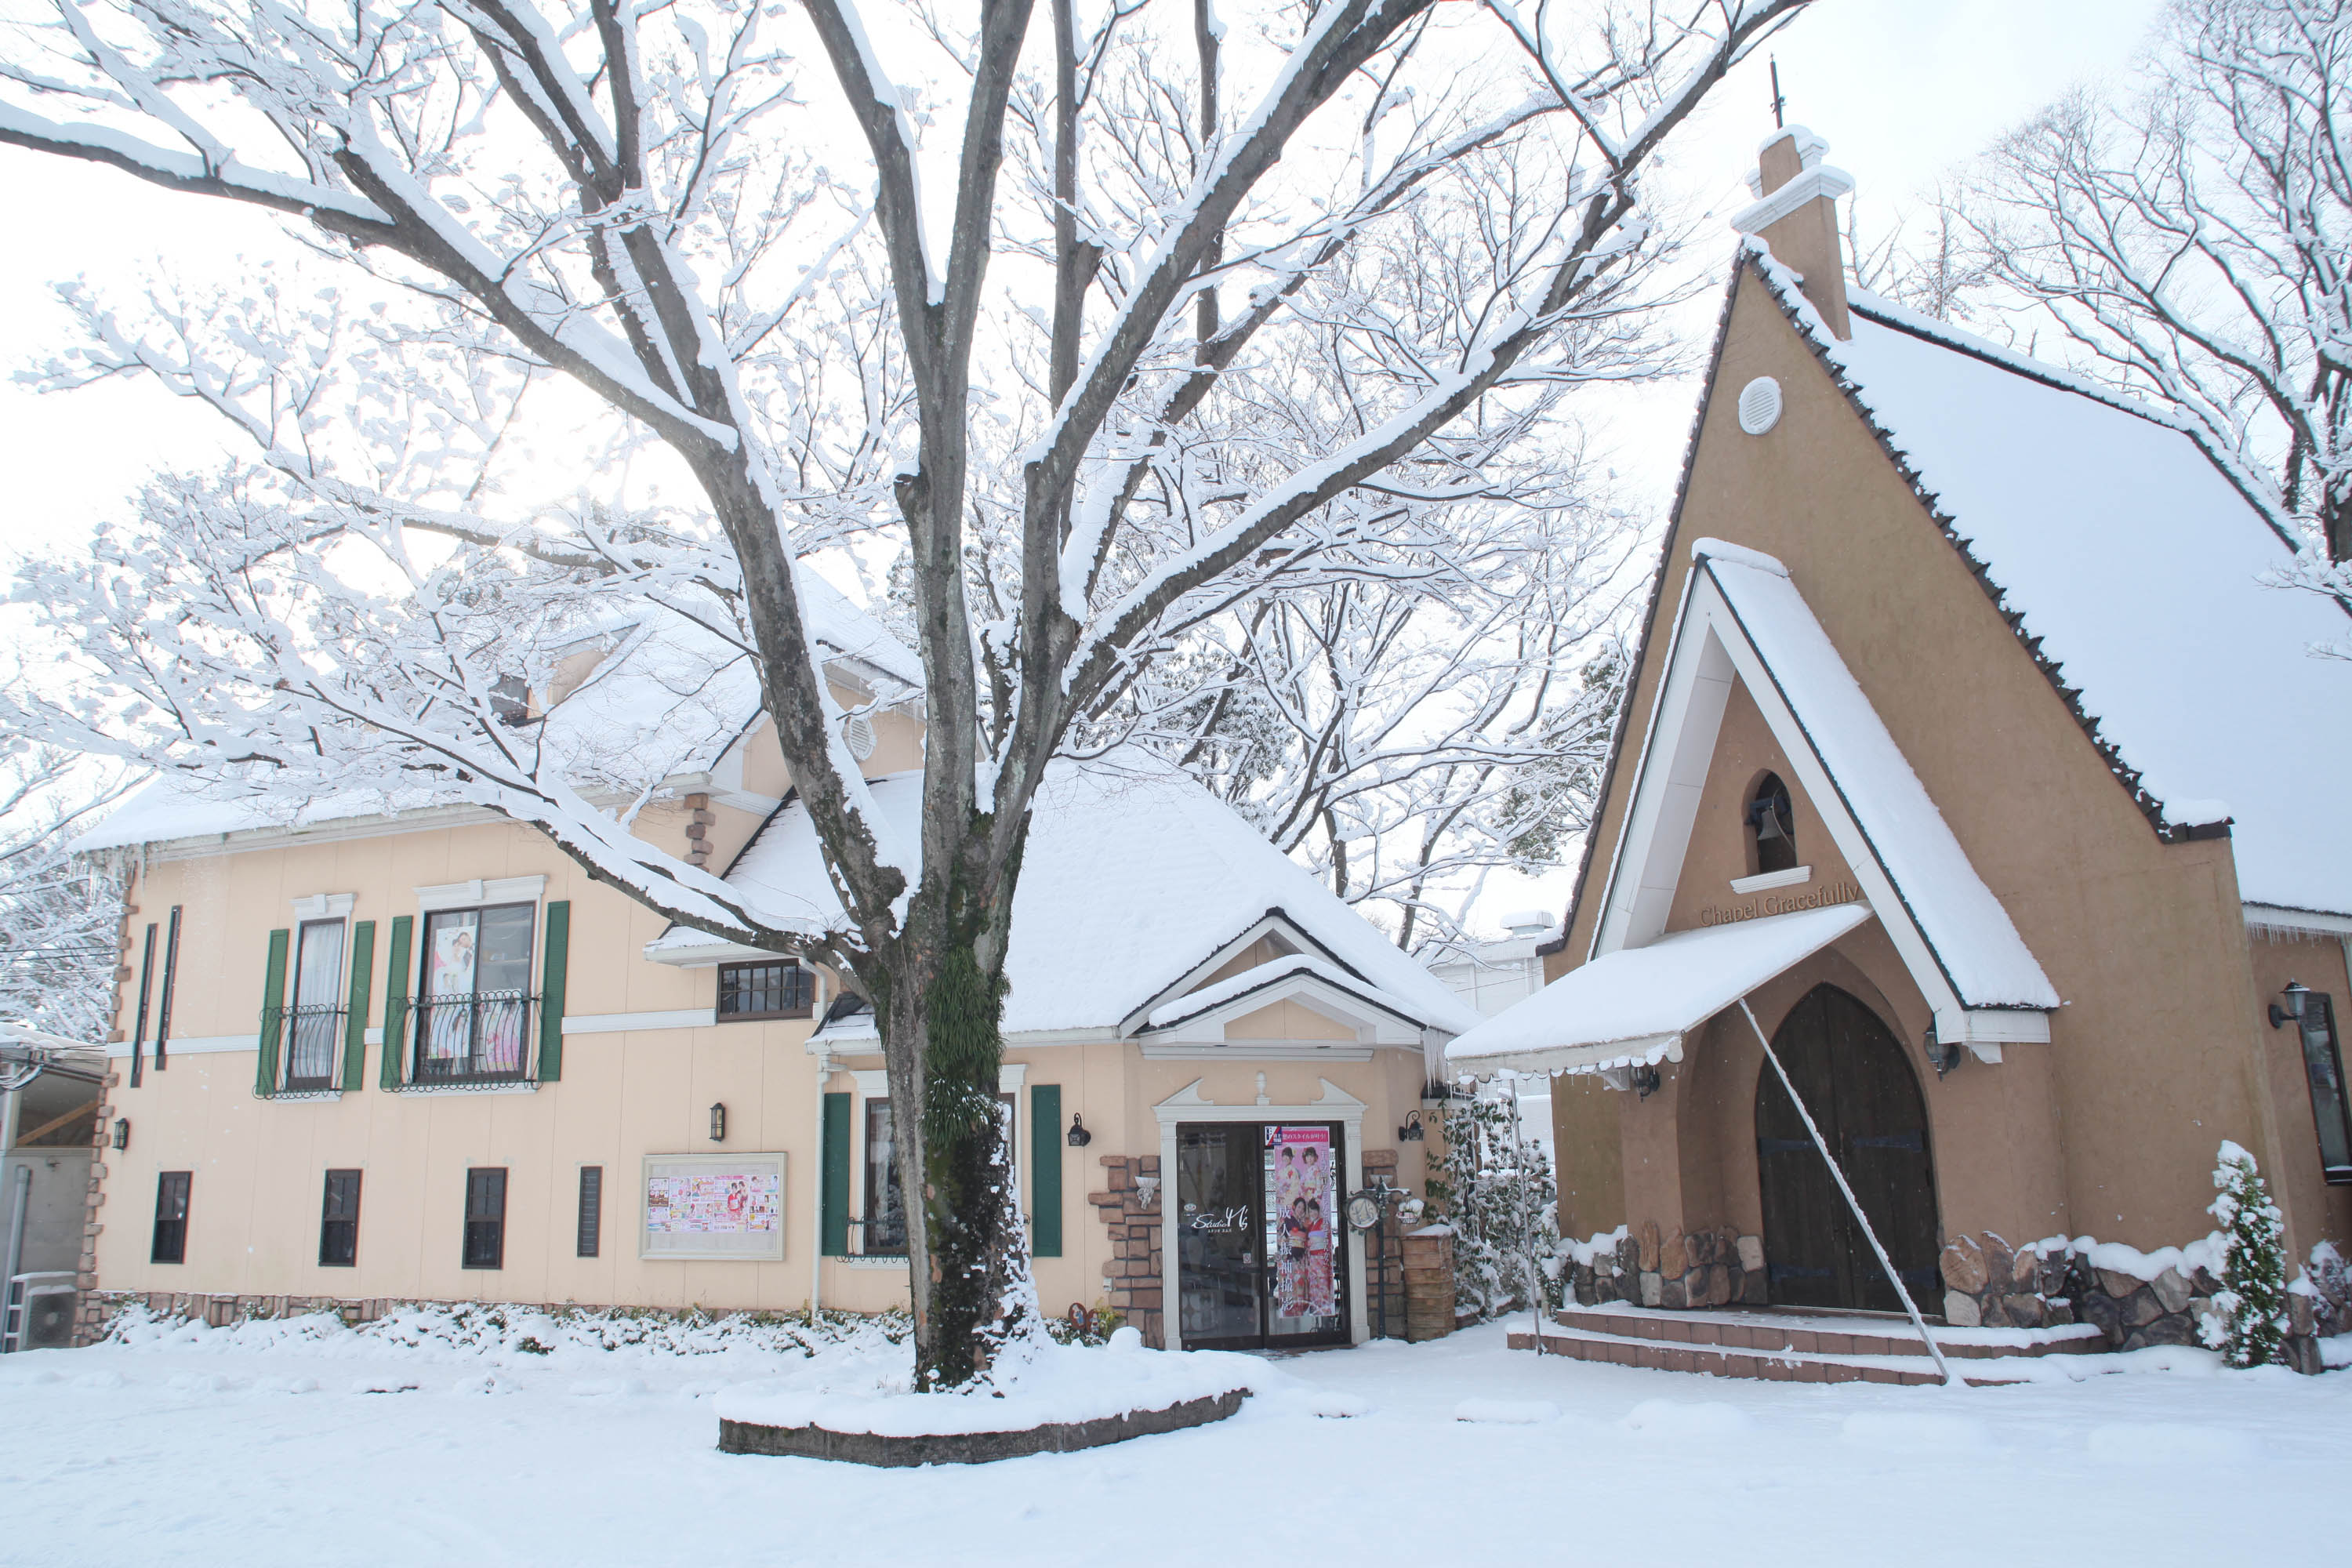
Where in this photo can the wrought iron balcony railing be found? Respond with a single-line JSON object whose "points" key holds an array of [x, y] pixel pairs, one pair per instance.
{"points": [[309, 1042], [481, 1038]]}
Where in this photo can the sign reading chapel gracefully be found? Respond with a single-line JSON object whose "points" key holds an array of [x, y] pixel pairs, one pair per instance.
{"points": [[1780, 904]]}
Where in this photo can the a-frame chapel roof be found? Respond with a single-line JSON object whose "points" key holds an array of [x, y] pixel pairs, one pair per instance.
{"points": [[2140, 578]]}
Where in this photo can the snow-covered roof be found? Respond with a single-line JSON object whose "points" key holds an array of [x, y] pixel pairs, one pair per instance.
{"points": [[1973, 938], [670, 699], [2140, 573], [1635, 1006], [1132, 876]]}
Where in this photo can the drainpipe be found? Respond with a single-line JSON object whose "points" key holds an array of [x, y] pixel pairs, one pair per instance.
{"points": [[1837, 1175], [20, 1187], [816, 1191]]}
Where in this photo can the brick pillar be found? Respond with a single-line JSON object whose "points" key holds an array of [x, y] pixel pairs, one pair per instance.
{"points": [[1132, 1280], [1429, 1282], [89, 1312]]}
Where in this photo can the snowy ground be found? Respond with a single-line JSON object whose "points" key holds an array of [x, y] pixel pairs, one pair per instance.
{"points": [[206, 1450]]}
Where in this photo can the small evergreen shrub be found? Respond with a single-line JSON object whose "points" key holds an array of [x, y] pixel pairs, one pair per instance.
{"points": [[1501, 1199], [2249, 1323]]}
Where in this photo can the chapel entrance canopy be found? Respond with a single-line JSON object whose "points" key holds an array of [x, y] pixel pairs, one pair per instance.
{"points": [[1632, 1007]]}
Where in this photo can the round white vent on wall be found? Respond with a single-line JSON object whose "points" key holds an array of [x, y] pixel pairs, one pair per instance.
{"points": [[1760, 405], [858, 730]]}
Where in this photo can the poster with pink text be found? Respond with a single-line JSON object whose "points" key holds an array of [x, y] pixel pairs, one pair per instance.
{"points": [[1302, 1195]]}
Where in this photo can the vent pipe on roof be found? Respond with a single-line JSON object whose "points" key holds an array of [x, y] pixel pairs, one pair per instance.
{"points": [[1797, 218]]}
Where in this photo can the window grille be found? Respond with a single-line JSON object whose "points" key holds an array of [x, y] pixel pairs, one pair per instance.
{"points": [[592, 1209]]}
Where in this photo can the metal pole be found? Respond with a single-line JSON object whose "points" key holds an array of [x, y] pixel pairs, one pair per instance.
{"points": [[1893, 1278], [11, 1313], [1534, 1278], [816, 1187]]}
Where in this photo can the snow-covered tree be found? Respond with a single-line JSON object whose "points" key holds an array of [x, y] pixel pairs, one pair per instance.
{"points": [[60, 917], [1495, 1186], [2192, 239], [1032, 333], [2249, 1324]]}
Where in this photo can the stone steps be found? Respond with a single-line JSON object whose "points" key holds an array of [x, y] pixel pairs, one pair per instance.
{"points": [[1793, 1347], [1827, 1334]]}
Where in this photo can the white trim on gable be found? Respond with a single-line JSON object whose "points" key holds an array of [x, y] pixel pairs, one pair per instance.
{"points": [[1712, 648]]}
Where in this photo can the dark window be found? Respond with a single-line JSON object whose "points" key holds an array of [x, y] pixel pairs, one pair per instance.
{"points": [[592, 1209], [766, 990], [510, 699], [473, 1021], [885, 1203], [2323, 1063], [339, 1221], [171, 1218], [485, 1218], [1772, 825]]}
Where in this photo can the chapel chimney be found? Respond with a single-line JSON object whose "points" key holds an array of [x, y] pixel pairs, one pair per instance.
{"points": [[1797, 218]]}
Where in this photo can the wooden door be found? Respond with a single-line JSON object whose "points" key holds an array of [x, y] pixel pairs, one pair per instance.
{"points": [[1855, 1079]]}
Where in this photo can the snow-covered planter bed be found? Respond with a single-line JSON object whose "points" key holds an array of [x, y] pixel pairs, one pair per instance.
{"points": [[1061, 1398]]}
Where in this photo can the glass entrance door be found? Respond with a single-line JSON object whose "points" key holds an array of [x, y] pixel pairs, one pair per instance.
{"points": [[1261, 1255]]}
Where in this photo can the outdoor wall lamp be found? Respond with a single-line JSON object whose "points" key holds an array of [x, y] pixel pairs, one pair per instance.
{"points": [[122, 1133], [1943, 1055], [2297, 996], [718, 1123], [1078, 1137], [1411, 1132], [1645, 1082]]}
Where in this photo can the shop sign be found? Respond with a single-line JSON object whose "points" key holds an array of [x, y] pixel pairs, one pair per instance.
{"points": [[1781, 904]]}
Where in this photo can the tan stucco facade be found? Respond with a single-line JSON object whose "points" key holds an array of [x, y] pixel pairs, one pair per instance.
{"points": [[634, 1082], [2160, 1048]]}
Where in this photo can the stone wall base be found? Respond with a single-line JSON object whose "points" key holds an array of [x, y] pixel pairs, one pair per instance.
{"points": [[1676, 1270]]}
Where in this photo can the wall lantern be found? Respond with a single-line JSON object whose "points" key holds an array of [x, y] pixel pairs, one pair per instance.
{"points": [[718, 1123], [122, 1133], [1411, 1132], [1943, 1055], [1078, 1137], [1645, 1082], [2297, 996]]}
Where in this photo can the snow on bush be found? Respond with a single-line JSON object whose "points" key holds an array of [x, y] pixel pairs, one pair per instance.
{"points": [[2249, 1320], [512, 1335], [1495, 1188]]}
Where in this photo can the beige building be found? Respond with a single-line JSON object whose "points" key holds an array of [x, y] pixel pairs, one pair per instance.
{"points": [[408, 1050], [1970, 751]]}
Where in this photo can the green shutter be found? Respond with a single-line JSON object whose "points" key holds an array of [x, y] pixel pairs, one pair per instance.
{"points": [[356, 1004], [1045, 1170], [395, 1002], [552, 968], [836, 1176], [273, 1017]]}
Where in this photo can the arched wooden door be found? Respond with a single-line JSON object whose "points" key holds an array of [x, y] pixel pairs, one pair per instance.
{"points": [[1857, 1082]]}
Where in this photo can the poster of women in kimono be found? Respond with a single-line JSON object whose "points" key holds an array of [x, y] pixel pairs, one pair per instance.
{"points": [[1302, 1198]]}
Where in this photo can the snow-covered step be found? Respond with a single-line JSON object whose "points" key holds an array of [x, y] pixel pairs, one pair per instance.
{"points": [[1777, 1366], [1825, 1333]]}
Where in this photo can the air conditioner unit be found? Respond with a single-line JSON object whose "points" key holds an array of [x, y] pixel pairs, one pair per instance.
{"points": [[48, 1317]]}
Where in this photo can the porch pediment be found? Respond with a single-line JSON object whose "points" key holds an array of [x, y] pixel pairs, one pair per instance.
{"points": [[1744, 624]]}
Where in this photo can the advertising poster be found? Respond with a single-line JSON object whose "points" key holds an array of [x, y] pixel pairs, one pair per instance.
{"points": [[713, 1206], [1302, 1195]]}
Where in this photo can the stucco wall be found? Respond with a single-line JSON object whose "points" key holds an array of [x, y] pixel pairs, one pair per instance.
{"points": [[2155, 1056]]}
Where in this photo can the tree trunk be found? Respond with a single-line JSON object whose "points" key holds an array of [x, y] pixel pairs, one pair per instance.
{"points": [[940, 1010]]}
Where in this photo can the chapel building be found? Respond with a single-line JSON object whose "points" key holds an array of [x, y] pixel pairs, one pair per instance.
{"points": [[1977, 757]]}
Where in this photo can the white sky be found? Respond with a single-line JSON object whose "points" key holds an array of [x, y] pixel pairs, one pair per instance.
{"points": [[1901, 89]]}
